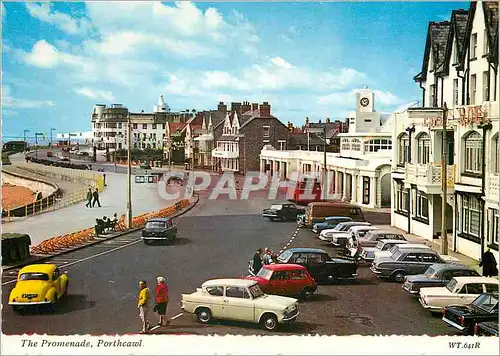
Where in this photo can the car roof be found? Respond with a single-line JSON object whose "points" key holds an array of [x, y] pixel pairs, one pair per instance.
{"points": [[283, 267], [306, 249], [385, 232], [338, 217], [361, 227], [356, 223], [414, 246], [443, 266], [476, 279], [229, 282], [159, 219], [389, 241], [41, 268]]}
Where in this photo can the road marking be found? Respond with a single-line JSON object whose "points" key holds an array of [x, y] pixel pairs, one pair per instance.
{"points": [[177, 316], [155, 327], [90, 257]]}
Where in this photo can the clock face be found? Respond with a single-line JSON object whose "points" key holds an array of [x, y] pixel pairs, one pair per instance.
{"points": [[364, 101]]}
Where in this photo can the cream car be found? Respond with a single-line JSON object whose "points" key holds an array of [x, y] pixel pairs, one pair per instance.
{"points": [[459, 291], [240, 300], [403, 244]]}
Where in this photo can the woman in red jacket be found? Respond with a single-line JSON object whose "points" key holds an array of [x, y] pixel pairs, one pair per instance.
{"points": [[161, 298]]}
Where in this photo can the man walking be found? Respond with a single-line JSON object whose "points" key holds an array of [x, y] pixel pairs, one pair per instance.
{"points": [[489, 264], [96, 198], [89, 199], [257, 261], [143, 305]]}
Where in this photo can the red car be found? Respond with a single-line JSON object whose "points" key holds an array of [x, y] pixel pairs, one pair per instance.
{"points": [[286, 279]]}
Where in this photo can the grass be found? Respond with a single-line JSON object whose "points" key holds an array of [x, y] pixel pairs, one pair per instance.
{"points": [[5, 158]]}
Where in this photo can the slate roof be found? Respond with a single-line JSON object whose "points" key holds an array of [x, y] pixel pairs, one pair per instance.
{"points": [[490, 9], [300, 139]]}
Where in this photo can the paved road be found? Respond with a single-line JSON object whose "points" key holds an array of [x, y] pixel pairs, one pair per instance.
{"points": [[102, 295]]}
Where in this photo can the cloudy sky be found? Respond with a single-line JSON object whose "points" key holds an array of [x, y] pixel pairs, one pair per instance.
{"points": [[306, 59]]}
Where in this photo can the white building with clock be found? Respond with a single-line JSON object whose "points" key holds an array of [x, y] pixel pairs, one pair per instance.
{"points": [[361, 172]]}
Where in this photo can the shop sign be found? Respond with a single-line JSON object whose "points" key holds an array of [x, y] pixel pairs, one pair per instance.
{"points": [[470, 115]]}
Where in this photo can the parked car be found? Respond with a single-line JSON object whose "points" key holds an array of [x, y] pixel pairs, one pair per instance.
{"points": [[458, 291], [437, 275], [372, 237], [368, 253], [159, 229], [341, 230], [284, 211], [38, 284], [330, 223], [50, 154], [348, 238], [317, 212], [405, 262], [286, 279], [487, 328], [358, 232], [378, 255], [484, 308], [322, 267], [239, 300]]}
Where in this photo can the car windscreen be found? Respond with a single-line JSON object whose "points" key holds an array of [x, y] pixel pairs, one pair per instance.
{"points": [[430, 273], [34, 276], [451, 284], [265, 273], [255, 291], [285, 256], [155, 225], [395, 256], [276, 207], [486, 302], [380, 245]]}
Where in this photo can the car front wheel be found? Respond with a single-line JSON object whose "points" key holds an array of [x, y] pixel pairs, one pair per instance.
{"points": [[204, 316], [399, 276], [146, 242], [307, 293], [270, 322]]}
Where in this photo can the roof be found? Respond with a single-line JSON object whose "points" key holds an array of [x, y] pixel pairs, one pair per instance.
{"points": [[476, 279], [363, 227], [283, 267], [299, 138], [229, 282], [383, 232], [437, 40], [41, 268], [175, 126], [159, 219], [306, 249], [333, 204], [490, 9], [390, 241], [441, 266], [414, 246]]}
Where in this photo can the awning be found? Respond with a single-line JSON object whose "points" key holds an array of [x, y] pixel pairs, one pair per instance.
{"points": [[204, 137]]}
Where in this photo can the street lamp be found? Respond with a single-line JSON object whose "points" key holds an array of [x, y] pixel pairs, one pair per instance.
{"points": [[25, 144], [129, 174], [244, 152], [51, 129]]}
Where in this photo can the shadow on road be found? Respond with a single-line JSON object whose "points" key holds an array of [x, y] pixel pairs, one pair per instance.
{"points": [[177, 241], [68, 304], [320, 298]]}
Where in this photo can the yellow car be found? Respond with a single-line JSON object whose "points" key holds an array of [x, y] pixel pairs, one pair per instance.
{"points": [[38, 284]]}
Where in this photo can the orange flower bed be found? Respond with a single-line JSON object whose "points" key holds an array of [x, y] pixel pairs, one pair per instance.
{"points": [[14, 196]]}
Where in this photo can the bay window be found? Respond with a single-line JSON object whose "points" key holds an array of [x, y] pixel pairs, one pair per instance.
{"points": [[473, 155]]}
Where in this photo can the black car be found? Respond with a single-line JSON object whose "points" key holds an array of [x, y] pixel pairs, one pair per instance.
{"points": [[463, 318], [486, 328], [159, 229], [284, 211], [322, 267], [437, 275]]}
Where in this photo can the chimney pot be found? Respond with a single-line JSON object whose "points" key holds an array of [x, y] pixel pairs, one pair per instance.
{"points": [[265, 109], [255, 106]]}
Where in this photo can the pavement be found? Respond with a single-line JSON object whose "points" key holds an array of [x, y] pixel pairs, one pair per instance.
{"points": [[215, 240]]}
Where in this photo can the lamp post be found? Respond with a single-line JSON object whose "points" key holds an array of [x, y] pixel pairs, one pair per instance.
{"points": [[25, 144], [244, 152], [444, 173], [114, 152], [129, 174], [324, 190], [51, 129]]}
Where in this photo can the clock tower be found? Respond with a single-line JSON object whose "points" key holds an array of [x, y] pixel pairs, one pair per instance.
{"points": [[366, 119], [365, 100]]}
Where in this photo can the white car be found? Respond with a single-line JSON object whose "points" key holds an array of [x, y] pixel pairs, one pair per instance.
{"points": [[240, 300], [459, 291], [359, 232], [327, 234], [388, 253], [368, 253]]}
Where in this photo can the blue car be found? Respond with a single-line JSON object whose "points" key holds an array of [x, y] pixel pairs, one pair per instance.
{"points": [[330, 223]]}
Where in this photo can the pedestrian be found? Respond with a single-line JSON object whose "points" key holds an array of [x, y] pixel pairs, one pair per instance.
{"points": [[489, 264], [89, 199], [96, 198], [143, 305], [267, 256], [161, 298], [274, 258], [257, 261], [104, 178]]}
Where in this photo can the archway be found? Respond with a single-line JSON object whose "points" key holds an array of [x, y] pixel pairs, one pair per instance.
{"points": [[385, 190]]}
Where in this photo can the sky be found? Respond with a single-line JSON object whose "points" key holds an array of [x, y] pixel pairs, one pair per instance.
{"points": [[305, 59]]}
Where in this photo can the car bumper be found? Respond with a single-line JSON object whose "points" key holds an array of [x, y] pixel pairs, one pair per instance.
{"points": [[290, 318], [269, 216], [28, 303], [409, 290], [452, 323], [314, 230], [156, 237], [427, 306], [324, 238], [375, 270]]}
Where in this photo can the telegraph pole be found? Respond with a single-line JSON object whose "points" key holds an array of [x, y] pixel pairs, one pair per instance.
{"points": [[444, 183], [325, 186], [129, 174]]}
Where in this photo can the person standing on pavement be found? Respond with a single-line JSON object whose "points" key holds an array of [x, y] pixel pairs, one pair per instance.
{"points": [[161, 298], [267, 256], [489, 264], [257, 261], [96, 198], [89, 199], [143, 305]]}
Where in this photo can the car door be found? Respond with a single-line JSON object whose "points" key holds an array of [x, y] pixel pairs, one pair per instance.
{"points": [[426, 260], [171, 229], [278, 282], [56, 282], [216, 300], [409, 263], [237, 304], [472, 291], [296, 281], [291, 212], [316, 265]]}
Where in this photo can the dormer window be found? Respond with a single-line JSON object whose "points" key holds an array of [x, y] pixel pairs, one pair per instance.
{"points": [[473, 46]]}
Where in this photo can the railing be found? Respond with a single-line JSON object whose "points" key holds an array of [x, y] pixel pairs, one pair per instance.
{"points": [[428, 174]]}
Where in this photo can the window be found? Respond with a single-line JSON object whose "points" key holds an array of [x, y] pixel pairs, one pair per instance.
{"points": [[455, 91], [471, 215], [356, 145], [486, 86], [237, 292], [119, 125], [474, 288], [473, 153], [423, 148], [496, 156], [154, 126], [491, 288], [144, 126], [266, 131], [282, 145], [300, 274], [493, 221], [486, 48], [134, 126], [280, 276], [401, 198], [428, 257], [455, 55], [473, 89], [366, 190], [378, 144], [411, 257], [404, 149], [432, 95], [345, 144], [473, 45], [215, 291], [422, 206]]}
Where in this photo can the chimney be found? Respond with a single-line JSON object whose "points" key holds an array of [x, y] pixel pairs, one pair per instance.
{"points": [[327, 120], [222, 107], [255, 106], [307, 121], [265, 109], [236, 107], [245, 107], [319, 121]]}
